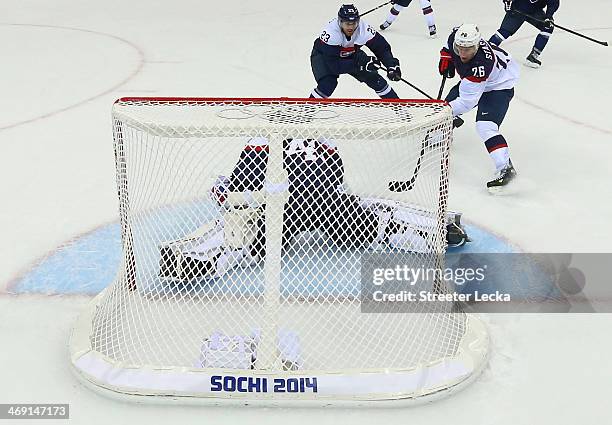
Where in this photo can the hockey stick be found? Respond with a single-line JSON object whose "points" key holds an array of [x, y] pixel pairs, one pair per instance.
{"points": [[372, 10], [409, 83], [404, 186], [457, 121], [603, 43], [441, 87]]}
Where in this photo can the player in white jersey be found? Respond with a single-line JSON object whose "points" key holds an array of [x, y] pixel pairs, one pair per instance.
{"points": [[399, 5], [338, 51], [488, 75]]}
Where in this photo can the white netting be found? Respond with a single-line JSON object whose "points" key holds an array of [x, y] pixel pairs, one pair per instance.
{"points": [[245, 225]]}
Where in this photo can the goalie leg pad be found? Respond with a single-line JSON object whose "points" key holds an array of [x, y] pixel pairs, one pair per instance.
{"points": [[215, 248], [240, 229]]}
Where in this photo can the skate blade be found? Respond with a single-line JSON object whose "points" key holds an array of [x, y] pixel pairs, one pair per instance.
{"points": [[498, 190], [509, 189], [531, 65]]}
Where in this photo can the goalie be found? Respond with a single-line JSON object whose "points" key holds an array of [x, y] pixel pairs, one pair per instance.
{"points": [[317, 205]]}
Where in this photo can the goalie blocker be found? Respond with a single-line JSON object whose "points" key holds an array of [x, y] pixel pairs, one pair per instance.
{"points": [[318, 204]]}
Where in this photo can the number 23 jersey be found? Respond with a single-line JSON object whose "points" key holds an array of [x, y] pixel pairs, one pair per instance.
{"points": [[332, 35]]}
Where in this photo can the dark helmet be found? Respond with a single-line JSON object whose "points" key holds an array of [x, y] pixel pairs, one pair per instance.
{"points": [[348, 13]]}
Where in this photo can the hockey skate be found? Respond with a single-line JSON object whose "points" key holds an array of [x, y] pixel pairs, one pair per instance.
{"points": [[505, 176], [385, 25], [433, 32], [532, 60]]}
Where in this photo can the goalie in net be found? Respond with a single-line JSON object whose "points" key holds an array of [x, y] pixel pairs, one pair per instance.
{"points": [[318, 206]]}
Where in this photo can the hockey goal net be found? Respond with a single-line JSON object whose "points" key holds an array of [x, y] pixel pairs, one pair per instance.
{"points": [[249, 227]]}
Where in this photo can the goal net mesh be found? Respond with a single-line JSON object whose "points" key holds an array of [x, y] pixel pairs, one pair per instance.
{"points": [[246, 227]]}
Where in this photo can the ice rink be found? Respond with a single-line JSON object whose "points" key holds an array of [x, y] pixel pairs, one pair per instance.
{"points": [[65, 63]]}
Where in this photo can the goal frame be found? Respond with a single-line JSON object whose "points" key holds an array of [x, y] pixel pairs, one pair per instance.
{"points": [[193, 385]]}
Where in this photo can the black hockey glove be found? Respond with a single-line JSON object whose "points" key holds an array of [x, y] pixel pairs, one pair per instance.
{"points": [[394, 73], [365, 63], [507, 5], [549, 23]]}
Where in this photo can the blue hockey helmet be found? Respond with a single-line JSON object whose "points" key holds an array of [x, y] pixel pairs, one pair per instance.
{"points": [[348, 13]]}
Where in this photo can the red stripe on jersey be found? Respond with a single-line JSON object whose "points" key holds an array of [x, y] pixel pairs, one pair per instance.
{"points": [[494, 148], [476, 79], [346, 51]]}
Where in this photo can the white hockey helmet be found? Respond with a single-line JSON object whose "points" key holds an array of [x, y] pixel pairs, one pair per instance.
{"points": [[467, 35]]}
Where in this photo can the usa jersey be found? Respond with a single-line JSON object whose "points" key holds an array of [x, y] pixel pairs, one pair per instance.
{"points": [[533, 6], [490, 69]]}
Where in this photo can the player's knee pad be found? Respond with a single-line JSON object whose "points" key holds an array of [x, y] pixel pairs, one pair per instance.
{"points": [[546, 33], [377, 83], [396, 9], [487, 129], [497, 39], [504, 33]]}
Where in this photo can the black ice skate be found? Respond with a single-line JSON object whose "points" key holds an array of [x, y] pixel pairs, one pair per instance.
{"points": [[432, 31], [504, 177], [532, 60], [385, 25]]}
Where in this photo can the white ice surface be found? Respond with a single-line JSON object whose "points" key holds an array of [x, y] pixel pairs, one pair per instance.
{"points": [[65, 62]]}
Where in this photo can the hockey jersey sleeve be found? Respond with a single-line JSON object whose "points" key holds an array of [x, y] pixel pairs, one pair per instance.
{"points": [[469, 95], [382, 50], [551, 7]]}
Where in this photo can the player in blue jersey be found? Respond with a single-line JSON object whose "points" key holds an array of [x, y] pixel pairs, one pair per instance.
{"points": [[399, 5], [488, 75], [542, 11], [338, 51]]}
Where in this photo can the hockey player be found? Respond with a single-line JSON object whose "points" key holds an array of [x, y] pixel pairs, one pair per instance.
{"points": [[398, 5], [488, 75], [338, 51], [513, 21], [317, 202]]}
